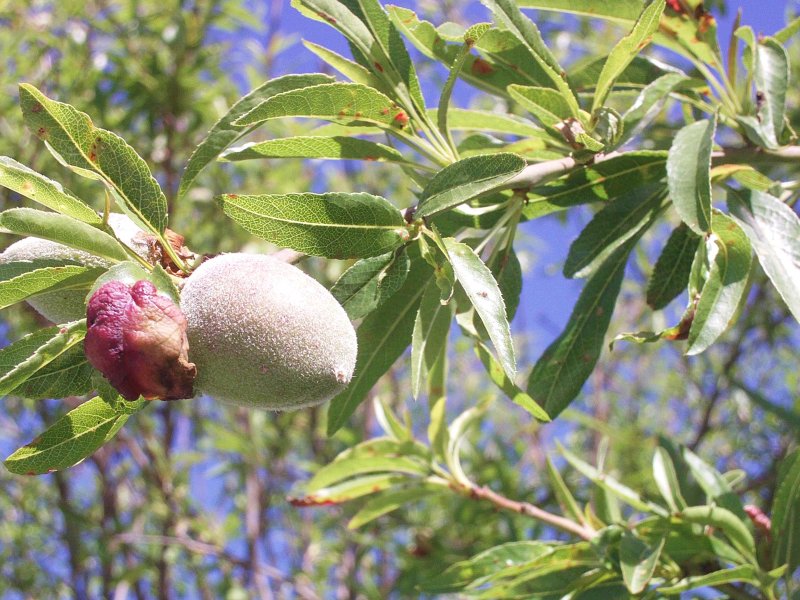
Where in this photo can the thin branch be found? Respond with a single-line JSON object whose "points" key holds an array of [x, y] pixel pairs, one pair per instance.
{"points": [[525, 508]]}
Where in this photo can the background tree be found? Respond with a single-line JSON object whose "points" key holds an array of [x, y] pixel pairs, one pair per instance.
{"points": [[190, 498]]}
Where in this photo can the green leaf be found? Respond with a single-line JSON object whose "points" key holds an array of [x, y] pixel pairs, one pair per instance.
{"points": [[64, 230], [68, 375], [774, 231], [626, 49], [638, 561], [716, 488], [370, 282], [47, 279], [431, 329], [546, 104], [689, 174], [336, 147], [498, 376], [616, 223], [70, 440], [463, 119], [475, 571], [382, 337], [484, 294], [786, 514], [507, 12], [224, 133], [786, 415], [351, 489], [611, 485], [358, 462], [492, 72], [560, 373], [772, 80], [567, 502], [602, 181], [466, 179], [666, 479], [726, 522], [386, 502], [787, 33], [71, 134], [742, 573], [648, 99], [336, 225], [37, 187], [671, 273], [347, 103], [622, 11], [724, 289], [22, 359], [352, 70]]}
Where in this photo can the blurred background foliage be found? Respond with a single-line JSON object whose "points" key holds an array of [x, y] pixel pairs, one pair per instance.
{"points": [[189, 501]]}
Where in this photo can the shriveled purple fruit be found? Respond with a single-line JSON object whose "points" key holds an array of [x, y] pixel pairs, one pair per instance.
{"points": [[136, 338], [266, 335]]}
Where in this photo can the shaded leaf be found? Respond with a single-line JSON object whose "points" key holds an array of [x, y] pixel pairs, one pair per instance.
{"points": [[671, 273], [688, 174], [726, 283], [47, 279], [726, 522], [370, 282], [462, 119], [70, 440], [71, 134], [741, 573], [388, 501], [352, 70], [499, 377], [716, 488], [666, 480], [49, 193], [546, 104], [771, 80], [64, 230], [786, 514], [561, 371], [774, 231], [638, 561], [461, 181], [484, 294], [563, 494], [626, 49], [22, 359], [223, 132], [617, 222], [336, 225], [351, 489], [647, 102], [431, 329], [382, 337]]}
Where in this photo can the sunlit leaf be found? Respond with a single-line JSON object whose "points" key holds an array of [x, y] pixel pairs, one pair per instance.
{"points": [[370, 282], [688, 174], [671, 272]]}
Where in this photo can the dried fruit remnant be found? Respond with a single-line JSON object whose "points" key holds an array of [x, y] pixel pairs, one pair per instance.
{"points": [[137, 339]]}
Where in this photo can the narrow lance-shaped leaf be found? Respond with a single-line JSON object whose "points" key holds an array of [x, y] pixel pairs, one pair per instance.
{"points": [[560, 373], [48, 279], [71, 134], [389, 501], [646, 104], [611, 227], [786, 514], [741, 573], [666, 479], [466, 179], [772, 81], [431, 328], [71, 439], [546, 104], [22, 359], [716, 488], [370, 282], [68, 375], [350, 69], [64, 230], [37, 187], [689, 174], [774, 230], [498, 376], [336, 225], [621, 11], [348, 103], [382, 337], [336, 147], [484, 294], [724, 289], [671, 273], [638, 561], [223, 133], [508, 13], [626, 49]]}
